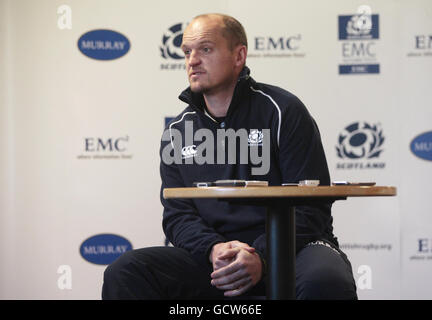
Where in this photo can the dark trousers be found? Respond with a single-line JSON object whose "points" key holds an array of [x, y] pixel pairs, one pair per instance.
{"points": [[322, 272]]}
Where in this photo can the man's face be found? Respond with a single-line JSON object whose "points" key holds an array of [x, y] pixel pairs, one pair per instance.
{"points": [[210, 63]]}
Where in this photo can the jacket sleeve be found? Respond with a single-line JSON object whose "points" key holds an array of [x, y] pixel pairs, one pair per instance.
{"points": [[300, 156], [182, 224]]}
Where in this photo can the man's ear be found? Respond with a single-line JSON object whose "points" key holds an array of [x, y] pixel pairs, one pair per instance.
{"points": [[241, 53]]}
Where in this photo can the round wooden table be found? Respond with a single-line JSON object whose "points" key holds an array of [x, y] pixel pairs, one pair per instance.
{"points": [[280, 223]]}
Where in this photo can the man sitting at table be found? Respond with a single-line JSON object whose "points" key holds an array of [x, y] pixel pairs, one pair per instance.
{"points": [[219, 247]]}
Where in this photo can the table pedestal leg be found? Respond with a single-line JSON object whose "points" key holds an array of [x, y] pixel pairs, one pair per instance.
{"points": [[281, 234]]}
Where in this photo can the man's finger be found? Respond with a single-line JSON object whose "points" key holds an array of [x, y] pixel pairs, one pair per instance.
{"points": [[224, 271], [248, 249], [238, 244], [220, 263], [235, 284], [238, 291], [230, 253], [230, 278]]}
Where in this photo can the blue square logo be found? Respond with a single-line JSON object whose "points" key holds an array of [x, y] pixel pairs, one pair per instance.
{"points": [[358, 27]]}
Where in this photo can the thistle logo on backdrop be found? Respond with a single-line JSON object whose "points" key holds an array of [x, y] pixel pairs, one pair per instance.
{"points": [[170, 48], [103, 44], [361, 144], [358, 35]]}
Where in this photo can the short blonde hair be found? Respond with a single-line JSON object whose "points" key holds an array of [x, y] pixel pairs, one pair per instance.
{"points": [[232, 30]]}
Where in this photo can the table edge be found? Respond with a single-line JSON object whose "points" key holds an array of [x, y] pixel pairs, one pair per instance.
{"points": [[280, 192]]}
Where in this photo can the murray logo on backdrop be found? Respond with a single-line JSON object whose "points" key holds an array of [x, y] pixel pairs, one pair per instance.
{"points": [[103, 44], [170, 48], [104, 248], [421, 146], [358, 35], [280, 46], [360, 144]]}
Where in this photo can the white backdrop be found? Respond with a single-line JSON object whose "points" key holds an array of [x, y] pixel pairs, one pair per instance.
{"points": [[57, 106]]}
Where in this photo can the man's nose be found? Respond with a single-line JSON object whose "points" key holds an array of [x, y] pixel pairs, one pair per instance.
{"points": [[194, 58]]}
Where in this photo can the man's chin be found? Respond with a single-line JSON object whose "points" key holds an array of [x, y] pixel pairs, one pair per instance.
{"points": [[197, 89]]}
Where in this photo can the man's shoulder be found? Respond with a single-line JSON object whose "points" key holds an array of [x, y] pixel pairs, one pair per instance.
{"points": [[187, 112], [278, 96]]}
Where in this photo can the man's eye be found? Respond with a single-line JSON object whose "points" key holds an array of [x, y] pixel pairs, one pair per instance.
{"points": [[206, 49]]}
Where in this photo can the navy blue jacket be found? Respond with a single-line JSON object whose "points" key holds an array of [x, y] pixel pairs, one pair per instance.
{"points": [[296, 153]]}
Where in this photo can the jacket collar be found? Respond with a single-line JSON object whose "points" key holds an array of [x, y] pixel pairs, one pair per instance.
{"points": [[196, 100]]}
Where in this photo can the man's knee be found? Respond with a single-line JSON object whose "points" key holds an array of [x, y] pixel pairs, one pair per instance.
{"points": [[120, 277], [327, 285], [117, 266], [325, 273]]}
